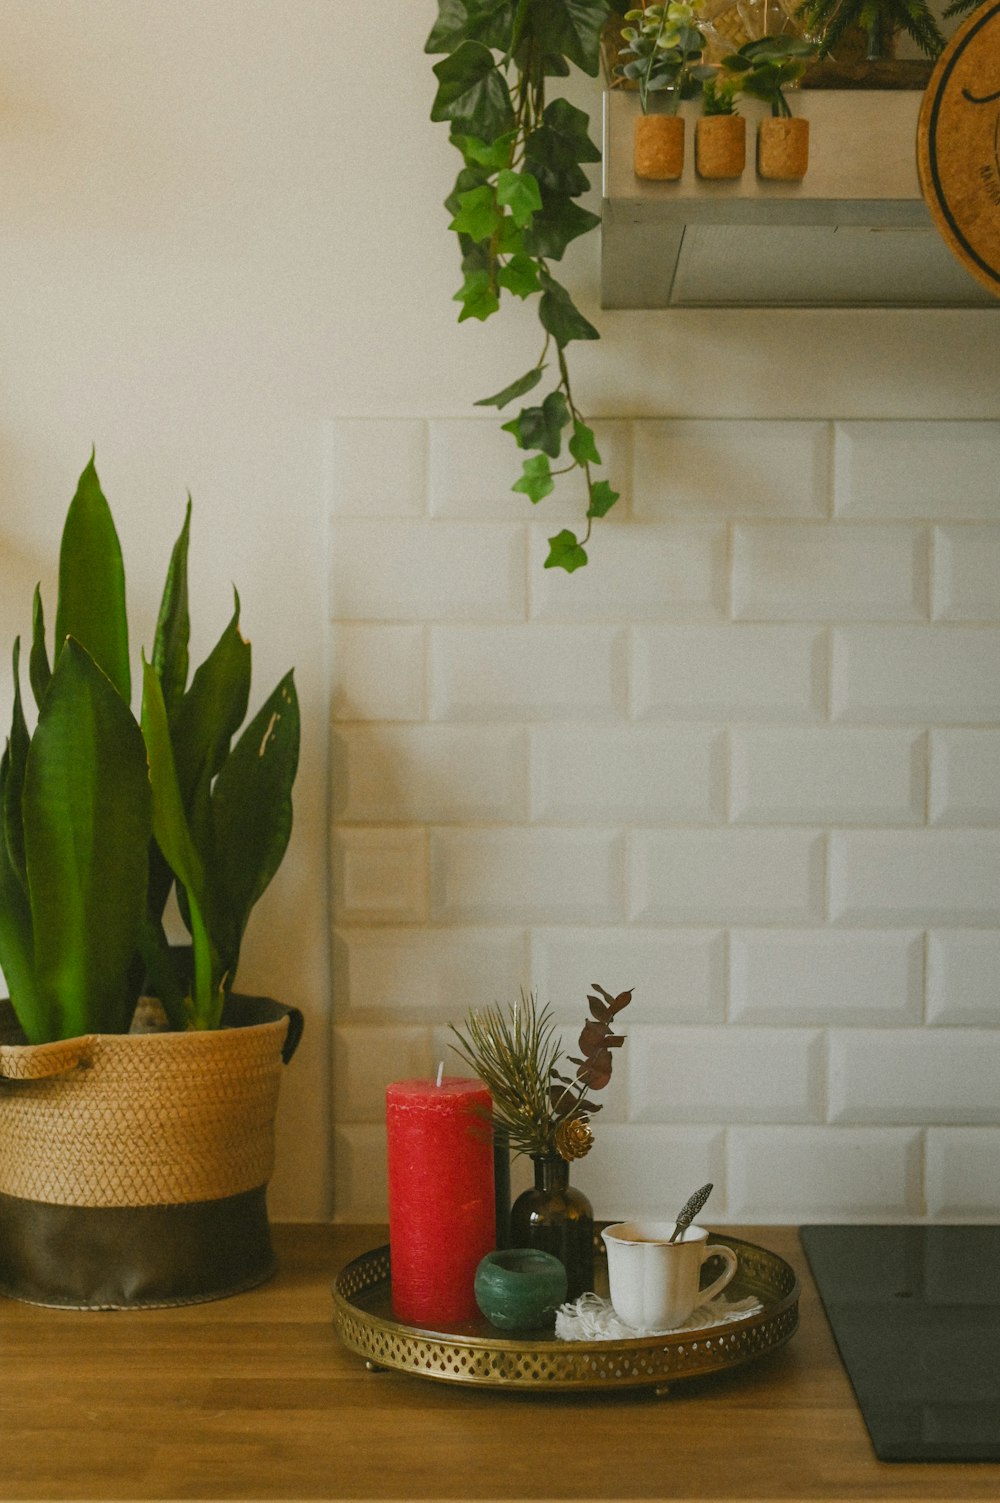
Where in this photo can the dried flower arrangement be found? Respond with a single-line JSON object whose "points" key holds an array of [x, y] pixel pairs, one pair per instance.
{"points": [[516, 1054]]}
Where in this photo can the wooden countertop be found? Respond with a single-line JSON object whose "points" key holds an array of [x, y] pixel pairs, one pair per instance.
{"points": [[254, 1398]]}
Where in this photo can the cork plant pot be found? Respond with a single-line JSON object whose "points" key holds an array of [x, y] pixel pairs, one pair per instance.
{"points": [[783, 148], [134, 1167], [720, 146], [658, 148]]}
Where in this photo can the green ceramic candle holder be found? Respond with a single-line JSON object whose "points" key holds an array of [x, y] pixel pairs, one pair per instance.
{"points": [[520, 1288]]}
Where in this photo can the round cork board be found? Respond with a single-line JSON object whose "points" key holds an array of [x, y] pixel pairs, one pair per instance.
{"points": [[958, 144]]}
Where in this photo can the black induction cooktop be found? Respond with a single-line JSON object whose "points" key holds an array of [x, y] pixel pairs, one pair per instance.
{"points": [[915, 1312]]}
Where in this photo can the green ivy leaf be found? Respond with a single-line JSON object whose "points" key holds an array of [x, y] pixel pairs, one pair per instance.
{"points": [[565, 552], [515, 389], [572, 29], [518, 192], [488, 21], [510, 239], [541, 427], [559, 315], [473, 92], [520, 276], [536, 478], [478, 215], [602, 499], [571, 128], [489, 154], [477, 296], [560, 221], [582, 446]]}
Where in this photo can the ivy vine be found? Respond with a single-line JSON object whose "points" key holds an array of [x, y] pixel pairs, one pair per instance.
{"points": [[514, 209]]}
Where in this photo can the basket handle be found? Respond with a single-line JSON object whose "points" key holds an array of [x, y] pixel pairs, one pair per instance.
{"points": [[41, 1061], [296, 1023]]}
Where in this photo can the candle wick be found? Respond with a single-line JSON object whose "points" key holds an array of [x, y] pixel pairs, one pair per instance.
{"points": [[440, 1071]]}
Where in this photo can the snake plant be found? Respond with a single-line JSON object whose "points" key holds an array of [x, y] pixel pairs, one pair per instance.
{"points": [[101, 816]]}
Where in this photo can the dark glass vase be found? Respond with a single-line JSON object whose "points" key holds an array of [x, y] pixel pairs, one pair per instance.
{"points": [[558, 1219]]}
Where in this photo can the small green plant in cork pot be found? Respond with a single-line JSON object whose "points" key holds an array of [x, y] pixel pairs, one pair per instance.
{"points": [[720, 134], [137, 1088], [763, 70], [543, 1110], [663, 47]]}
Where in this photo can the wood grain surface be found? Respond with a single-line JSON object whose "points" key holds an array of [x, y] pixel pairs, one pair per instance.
{"points": [[253, 1398]]}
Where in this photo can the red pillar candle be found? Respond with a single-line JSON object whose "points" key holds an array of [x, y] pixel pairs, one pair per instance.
{"points": [[442, 1213]]}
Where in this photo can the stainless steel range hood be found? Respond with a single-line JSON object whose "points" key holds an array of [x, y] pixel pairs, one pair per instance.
{"points": [[855, 232]]}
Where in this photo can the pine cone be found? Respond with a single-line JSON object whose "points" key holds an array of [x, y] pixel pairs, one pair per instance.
{"points": [[573, 1138]]}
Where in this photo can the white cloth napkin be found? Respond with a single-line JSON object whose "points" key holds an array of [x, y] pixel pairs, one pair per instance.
{"points": [[591, 1318]]}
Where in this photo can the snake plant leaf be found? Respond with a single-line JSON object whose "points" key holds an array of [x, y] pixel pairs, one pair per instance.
{"points": [[87, 825], [17, 946], [17, 754], [252, 814], [173, 625], [91, 606], [39, 671], [174, 838], [207, 719]]}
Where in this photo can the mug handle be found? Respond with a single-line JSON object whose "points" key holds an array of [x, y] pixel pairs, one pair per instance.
{"points": [[718, 1250]]}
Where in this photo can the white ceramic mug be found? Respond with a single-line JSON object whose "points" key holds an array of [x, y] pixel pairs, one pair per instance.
{"points": [[654, 1283]]}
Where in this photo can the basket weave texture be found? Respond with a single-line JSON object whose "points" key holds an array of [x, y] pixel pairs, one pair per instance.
{"points": [[140, 1119]]}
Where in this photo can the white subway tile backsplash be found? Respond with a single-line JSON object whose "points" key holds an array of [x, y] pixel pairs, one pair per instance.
{"points": [[827, 1173], [385, 974], [917, 469], [380, 874], [827, 976], [717, 1075], [678, 975], [610, 774], [967, 573], [827, 776], [726, 876], [378, 672], [361, 1175], [943, 674], [746, 763], [724, 673], [962, 1172], [365, 1059], [427, 571], [915, 1076], [915, 876], [637, 572], [730, 468], [818, 572], [963, 976], [376, 468], [526, 673], [516, 876], [650, 1171], [407, 773], [965, 777]]}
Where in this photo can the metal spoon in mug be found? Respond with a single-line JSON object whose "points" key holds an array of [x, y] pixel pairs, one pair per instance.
{"points": [[690, 1211]]}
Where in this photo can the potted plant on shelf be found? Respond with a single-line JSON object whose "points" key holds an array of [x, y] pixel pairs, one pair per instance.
{"points": [[514, 209], [720, 134], [546, 1114], [136, 1131], [662, 48], [764, 69], [829, 20]]}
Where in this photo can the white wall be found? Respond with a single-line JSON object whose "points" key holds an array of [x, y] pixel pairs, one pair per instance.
{"points": [[222, 237]]}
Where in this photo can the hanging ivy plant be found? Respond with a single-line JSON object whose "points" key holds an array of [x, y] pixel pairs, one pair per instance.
{"points": [[514, 209]]}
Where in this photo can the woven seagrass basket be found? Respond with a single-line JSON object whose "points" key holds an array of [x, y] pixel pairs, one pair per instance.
{"points": [[134, 1167]]}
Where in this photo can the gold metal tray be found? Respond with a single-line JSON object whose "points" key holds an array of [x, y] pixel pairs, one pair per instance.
{"points": [[477, 1354]]}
